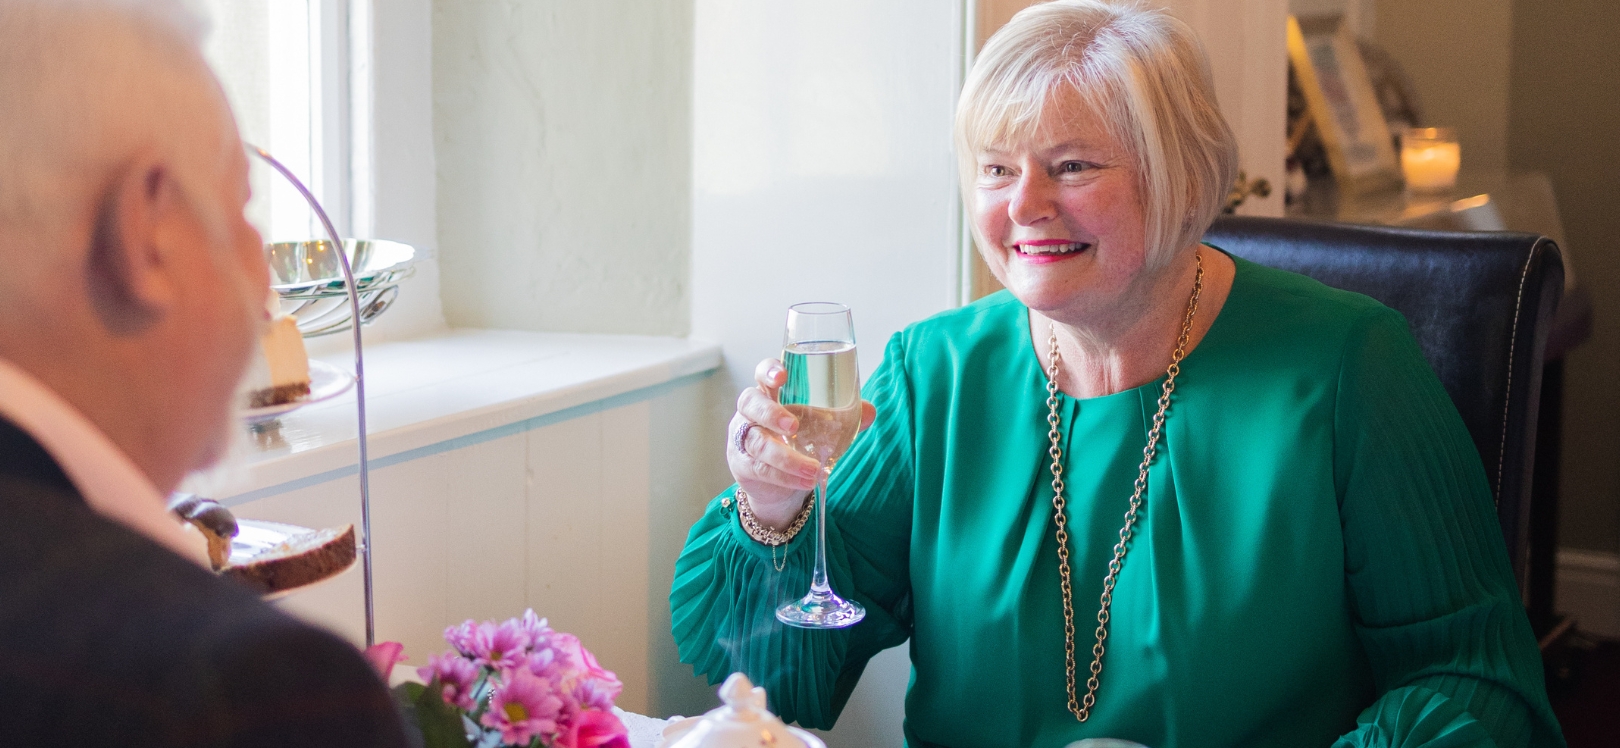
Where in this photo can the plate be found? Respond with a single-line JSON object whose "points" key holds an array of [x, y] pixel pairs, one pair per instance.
{"points": [[325, 382], [256, 536]]}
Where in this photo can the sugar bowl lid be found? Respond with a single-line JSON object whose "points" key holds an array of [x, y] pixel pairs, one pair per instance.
{"points": [[743, 722]]}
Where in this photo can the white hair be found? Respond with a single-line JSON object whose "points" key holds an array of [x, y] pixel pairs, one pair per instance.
{"points": [[84, 86], [1146, 79]]}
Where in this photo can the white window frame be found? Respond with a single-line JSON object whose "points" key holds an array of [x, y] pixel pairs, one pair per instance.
{"points": [[312, 108]]}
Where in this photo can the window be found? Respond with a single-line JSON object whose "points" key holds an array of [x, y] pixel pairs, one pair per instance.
{"points": [[285, 67]]}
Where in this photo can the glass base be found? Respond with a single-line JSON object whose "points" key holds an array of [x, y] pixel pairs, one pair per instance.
{"points": [[821, 610]]}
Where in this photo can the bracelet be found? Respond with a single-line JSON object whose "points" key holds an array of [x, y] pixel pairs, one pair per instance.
{"points": [[766, 535]]}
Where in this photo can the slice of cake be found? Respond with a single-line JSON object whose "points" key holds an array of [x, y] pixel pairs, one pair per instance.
{"points": [[279, 372], [297, 561]]}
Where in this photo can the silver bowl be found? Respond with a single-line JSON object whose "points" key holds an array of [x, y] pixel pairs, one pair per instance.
{"points": [[311, 267], [309, 280]]}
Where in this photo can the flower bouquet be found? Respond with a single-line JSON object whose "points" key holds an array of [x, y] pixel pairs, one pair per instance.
{"points": [[517, 683]]}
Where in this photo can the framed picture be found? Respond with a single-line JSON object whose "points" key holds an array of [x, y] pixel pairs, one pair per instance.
{"points": [[1342, 104]]}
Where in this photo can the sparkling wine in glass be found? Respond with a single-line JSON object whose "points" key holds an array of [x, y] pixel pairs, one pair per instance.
{"points": [[823, 391]]}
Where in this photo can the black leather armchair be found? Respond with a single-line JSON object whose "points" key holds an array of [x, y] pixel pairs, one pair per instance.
{"points": [[1481, 306]]}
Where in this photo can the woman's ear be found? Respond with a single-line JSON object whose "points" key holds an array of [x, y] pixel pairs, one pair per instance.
{"points": [[128, 269]]}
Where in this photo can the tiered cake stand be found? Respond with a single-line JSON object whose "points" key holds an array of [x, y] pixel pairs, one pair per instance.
{"points": [[378, 297]]}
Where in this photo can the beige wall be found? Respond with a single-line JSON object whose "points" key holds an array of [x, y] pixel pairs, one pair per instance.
{"points": [[1457, 53], [1564, 120], [1532, 85]]}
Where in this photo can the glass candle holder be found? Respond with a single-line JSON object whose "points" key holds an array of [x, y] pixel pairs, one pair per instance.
{"points": [[1429, 158]]}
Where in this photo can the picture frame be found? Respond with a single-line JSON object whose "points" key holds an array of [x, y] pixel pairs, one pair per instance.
{"points": [[1342, 104]]}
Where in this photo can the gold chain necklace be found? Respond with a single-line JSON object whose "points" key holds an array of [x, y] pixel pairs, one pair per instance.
{"points": [[1082, 707]]}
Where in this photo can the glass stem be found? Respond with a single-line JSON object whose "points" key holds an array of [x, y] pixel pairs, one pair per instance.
{"points": [[818, 578]]}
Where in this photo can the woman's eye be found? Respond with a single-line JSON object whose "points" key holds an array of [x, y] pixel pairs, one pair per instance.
{"points": [[1072, 167], [994, 170]]}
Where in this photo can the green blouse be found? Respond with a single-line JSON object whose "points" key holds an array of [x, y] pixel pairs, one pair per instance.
{"points": [[1317, 558]]}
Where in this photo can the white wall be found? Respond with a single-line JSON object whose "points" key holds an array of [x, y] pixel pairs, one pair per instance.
{"points": [[823, 171], [1248, 57], [822, 168], [563, 143]]}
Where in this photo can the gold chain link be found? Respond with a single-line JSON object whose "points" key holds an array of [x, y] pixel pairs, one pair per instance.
{"points": [[1081, 707]]}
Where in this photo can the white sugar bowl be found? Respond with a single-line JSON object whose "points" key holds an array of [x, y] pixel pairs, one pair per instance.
{"points": [[742, 723]]}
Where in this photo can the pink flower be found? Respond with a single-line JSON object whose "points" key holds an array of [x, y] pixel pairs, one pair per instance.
{"points": [[534, 627], [523, 707], [457, 674], [460, 637], [498, 646], [542, 662], [602, 684], [580, 679], [595, 729], [570, 654], [595, 693], [384, 656]]}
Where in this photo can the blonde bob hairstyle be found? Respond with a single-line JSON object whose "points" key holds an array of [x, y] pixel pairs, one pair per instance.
{"points": [[1146, 80]]}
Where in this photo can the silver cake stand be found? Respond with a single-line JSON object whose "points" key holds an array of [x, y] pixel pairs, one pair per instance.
{"points": [[359, 380]]}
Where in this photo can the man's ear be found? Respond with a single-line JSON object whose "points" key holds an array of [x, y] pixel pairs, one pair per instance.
{"points": [[129, 273]]}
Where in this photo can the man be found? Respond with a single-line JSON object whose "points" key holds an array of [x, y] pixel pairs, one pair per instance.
{"points": [[131, 294]]}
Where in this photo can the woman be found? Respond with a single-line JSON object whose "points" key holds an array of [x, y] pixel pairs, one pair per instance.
{"points": [[1312, 554]]}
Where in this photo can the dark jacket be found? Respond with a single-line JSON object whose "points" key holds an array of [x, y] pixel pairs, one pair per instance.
{"points": [[107, 638]]}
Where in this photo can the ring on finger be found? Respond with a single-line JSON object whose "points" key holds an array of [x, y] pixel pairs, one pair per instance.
{"points": [[740, 440]]}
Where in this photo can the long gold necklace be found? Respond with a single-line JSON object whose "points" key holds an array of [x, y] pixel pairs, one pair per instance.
{"points": [[1081, 707]]}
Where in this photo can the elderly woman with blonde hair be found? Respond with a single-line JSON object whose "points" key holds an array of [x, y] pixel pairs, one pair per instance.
{"points": [[1150, 491]]}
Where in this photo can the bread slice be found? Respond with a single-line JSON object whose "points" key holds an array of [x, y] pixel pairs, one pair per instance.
{"points": [[299, 560]]}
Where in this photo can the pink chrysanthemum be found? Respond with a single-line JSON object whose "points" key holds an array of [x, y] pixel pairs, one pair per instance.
{"points": [[457, 674], [534, 627], [580, 680], [595, 693], [460, 636], [498, 646], [522, 707]]}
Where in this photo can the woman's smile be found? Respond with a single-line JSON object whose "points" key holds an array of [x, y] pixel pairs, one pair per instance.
{"points": [[1040, 251]]}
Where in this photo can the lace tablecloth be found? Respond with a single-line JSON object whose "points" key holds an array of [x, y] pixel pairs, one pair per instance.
{"points": [[644, 730]]}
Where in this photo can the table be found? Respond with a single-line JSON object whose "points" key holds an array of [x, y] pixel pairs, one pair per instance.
{"points": [[1483, 200]]}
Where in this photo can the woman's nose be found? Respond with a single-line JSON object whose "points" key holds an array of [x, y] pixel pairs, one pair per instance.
{"points": [[1032, 200]]}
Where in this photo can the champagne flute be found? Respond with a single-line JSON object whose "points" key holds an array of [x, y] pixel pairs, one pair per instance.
{"points": [[823, 391]]}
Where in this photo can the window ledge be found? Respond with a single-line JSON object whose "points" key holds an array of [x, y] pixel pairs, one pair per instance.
{"points": [[456, 388]]}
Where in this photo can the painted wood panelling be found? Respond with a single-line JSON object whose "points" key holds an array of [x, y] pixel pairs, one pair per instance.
{"points": [[560, 518]]}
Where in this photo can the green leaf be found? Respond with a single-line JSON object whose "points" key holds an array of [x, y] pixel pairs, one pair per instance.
{"points": [[424, 706]]}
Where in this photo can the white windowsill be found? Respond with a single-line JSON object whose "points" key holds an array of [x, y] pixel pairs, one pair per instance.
{"points": [[457, 385]]}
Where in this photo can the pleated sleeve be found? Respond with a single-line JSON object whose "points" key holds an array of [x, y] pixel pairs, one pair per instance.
{"points": [[727, 586], [1433, 595]]}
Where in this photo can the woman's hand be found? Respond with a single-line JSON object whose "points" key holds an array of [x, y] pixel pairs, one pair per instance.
{"points": [[775, 477]]}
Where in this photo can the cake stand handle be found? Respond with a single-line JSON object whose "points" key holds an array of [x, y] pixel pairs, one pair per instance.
{"points": [[359, 382]]}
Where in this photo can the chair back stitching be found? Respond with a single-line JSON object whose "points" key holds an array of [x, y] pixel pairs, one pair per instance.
{"points": [[1513, 341]]}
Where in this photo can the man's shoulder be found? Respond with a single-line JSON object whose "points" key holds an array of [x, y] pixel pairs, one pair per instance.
{"points": [[104, 633]]}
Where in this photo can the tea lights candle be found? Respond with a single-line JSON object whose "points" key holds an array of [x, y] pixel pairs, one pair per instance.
{"points": [[1429, 158]]}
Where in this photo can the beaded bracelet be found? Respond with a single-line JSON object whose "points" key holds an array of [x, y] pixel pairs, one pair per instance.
{"points": [[766, 535]]}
